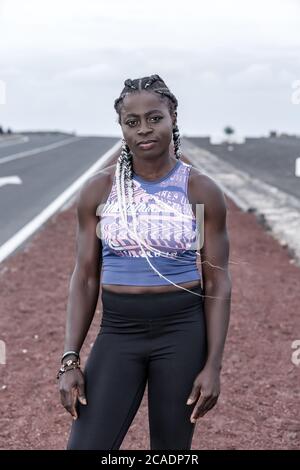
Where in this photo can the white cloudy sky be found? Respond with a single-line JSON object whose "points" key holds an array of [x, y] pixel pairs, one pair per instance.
{"points": [[63, 62]]}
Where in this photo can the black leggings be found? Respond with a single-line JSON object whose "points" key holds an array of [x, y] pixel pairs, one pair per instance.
{"points": [[155, 339]]}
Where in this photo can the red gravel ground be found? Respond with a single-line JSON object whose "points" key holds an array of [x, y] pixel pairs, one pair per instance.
{"points": [[259, 403]]}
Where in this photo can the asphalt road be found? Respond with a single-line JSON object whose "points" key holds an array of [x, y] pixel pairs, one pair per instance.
{"points": [[29, 141], [270, 159], [44, 175]]}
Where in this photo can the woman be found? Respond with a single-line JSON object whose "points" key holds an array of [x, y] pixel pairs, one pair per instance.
{"points": [[163, 323]]}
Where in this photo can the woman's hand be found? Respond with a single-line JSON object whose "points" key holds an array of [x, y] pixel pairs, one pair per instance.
{"points": [[71, 387], [206, 390]]}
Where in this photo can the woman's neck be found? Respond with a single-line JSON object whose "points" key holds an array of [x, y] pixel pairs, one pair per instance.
{"points": [[153, 169]]}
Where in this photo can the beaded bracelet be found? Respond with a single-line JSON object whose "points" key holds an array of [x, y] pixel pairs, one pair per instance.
{"points": [[69, 365]]}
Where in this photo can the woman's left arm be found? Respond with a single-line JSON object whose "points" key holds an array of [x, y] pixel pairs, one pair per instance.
{"points": [[217, 292]]}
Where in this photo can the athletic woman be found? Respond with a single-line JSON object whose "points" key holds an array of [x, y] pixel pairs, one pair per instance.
{"points": [[164, 320]]}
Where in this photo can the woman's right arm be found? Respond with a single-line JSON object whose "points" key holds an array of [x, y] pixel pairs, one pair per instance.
{"points": [[83, 291]]}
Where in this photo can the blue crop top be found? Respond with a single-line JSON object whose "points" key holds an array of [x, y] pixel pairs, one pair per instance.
{"points": [[166, 226]]}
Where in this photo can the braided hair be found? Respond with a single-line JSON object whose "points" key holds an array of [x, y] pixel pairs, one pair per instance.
{"points": [[124, 168]]}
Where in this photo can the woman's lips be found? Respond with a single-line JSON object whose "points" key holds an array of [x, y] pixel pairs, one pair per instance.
{"points": [[147, 146]]}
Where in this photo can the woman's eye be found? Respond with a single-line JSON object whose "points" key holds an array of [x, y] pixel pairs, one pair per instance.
{"points": [[132, 123]]}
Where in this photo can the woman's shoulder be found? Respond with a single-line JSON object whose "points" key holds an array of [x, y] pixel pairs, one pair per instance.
{"points": [[105, 175], [203, 188], [96, 189]]}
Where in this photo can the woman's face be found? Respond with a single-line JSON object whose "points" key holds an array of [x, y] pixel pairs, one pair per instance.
{"points": [[144, 116]]}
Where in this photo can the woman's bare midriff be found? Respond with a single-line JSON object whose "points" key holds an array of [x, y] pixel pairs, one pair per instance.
{"points": [[120, 289]]}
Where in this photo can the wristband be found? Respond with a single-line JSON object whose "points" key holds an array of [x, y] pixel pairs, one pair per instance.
{"points": [[67, 353]]}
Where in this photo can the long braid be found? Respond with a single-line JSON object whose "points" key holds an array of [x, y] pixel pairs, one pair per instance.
{"points": [[176, 140], [124, 169], [120, 168]]}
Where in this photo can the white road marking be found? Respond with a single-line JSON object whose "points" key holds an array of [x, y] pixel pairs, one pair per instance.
{"points": [[45, 148], [16, 240], [10, 180]]}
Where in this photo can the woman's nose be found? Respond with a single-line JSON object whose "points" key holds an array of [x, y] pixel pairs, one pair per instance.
{"points": [[144, 127]]}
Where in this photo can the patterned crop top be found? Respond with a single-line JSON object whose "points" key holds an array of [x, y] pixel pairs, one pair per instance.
{"points": [[166, 228]]}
